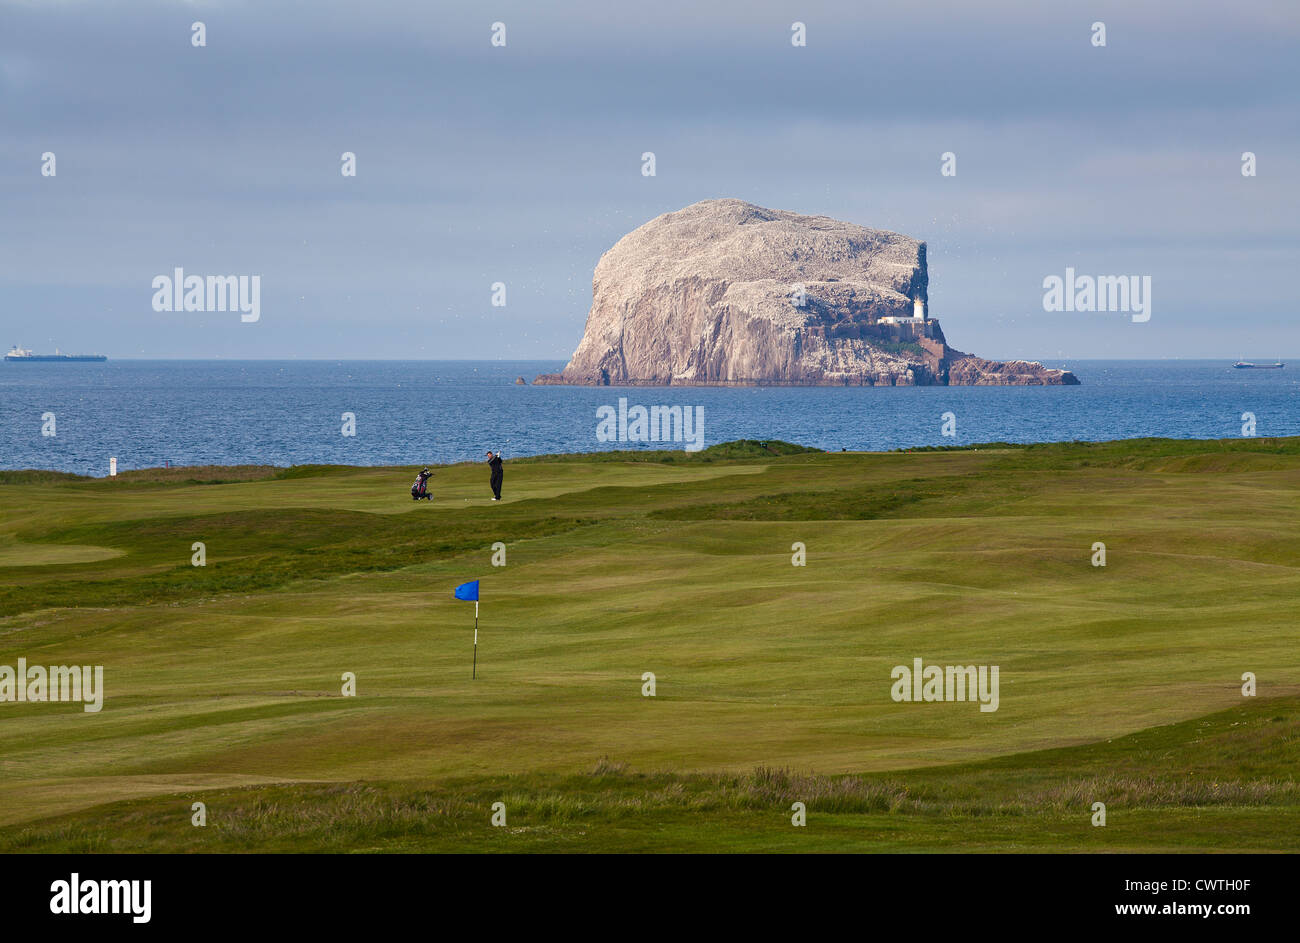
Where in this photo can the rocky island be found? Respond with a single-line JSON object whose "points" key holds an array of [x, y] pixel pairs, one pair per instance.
{"points": [[726, 293]]}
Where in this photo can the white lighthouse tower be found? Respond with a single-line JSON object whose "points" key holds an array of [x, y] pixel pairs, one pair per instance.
{"points": [[918, 309]]}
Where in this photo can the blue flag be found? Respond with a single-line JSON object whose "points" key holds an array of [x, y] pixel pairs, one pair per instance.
{"points": [[468, 591]]}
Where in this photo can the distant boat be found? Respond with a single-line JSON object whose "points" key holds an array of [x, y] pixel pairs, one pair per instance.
{"points": [[18, 355], [1247, 365]]}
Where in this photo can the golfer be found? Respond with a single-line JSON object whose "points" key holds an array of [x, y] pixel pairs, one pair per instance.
{"points": [[494, 463]]}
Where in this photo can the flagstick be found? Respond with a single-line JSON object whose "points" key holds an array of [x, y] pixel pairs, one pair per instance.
{"points": [[474, 673]]}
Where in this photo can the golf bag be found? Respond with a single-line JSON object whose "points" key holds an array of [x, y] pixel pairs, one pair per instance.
{"points": [[421, 487]]}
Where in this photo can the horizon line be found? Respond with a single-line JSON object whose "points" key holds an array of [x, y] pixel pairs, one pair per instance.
{"points": [[1273, 357]]}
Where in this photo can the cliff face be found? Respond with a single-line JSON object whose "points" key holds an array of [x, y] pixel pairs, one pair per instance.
{"points": [[710, 295]]}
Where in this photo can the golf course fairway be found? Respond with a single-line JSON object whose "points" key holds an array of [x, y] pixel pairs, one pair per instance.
{"points": [[224, 684]]}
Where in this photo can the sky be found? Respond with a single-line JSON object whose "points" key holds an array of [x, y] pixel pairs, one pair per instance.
{"points": [[522, 164]]}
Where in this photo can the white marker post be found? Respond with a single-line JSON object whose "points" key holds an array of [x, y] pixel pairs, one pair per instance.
{"points": [[112, 467]]}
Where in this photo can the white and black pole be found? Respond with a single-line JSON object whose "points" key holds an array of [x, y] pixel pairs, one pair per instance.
{"points": [[468, 592]]}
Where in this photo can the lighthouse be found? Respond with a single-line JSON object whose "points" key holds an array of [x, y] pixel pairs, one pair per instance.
{"points": [[918, 309]]}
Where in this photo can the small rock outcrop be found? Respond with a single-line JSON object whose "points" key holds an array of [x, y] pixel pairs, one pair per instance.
{"points": [[726, 293]]}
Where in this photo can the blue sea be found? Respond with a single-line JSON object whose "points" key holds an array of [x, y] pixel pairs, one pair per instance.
{"points": [[150, 413]]}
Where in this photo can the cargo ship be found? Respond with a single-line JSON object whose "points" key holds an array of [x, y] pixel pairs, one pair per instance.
{"points": [[1247, 365], [19, 355]]}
